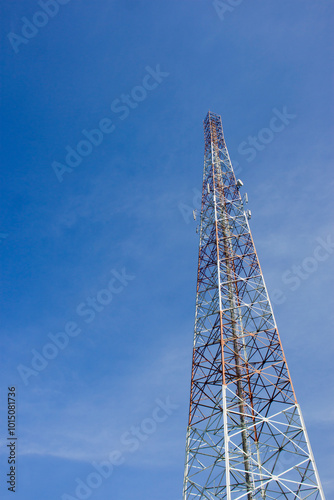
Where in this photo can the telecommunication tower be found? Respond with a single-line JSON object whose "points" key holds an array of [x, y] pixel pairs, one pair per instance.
{"points": [[246, 438]]}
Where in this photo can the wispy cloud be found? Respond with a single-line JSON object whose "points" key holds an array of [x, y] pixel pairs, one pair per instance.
{"points": [[90, 425]]}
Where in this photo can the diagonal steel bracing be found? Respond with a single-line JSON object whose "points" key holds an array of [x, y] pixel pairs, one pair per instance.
{"points": [[246, 437]]}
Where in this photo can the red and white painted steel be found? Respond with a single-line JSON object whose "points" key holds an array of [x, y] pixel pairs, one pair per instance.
{"points": [[246, 437]]}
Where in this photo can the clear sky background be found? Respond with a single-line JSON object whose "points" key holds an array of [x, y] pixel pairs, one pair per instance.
{"points": [[126, 206]]}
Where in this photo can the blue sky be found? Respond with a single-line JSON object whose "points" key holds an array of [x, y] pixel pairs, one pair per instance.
{"points": [[124, 209]]}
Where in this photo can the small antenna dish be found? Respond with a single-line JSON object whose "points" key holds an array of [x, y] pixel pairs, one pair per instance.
{"points": [[239, 183]]}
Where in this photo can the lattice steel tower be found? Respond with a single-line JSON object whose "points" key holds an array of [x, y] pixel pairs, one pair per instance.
{"points": [[246, 437]]}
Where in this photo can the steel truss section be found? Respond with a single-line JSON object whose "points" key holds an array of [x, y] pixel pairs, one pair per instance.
{"points": [[246, 437]]}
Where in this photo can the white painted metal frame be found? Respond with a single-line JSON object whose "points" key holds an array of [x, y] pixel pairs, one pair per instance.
{"points": [[246, 437]]}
